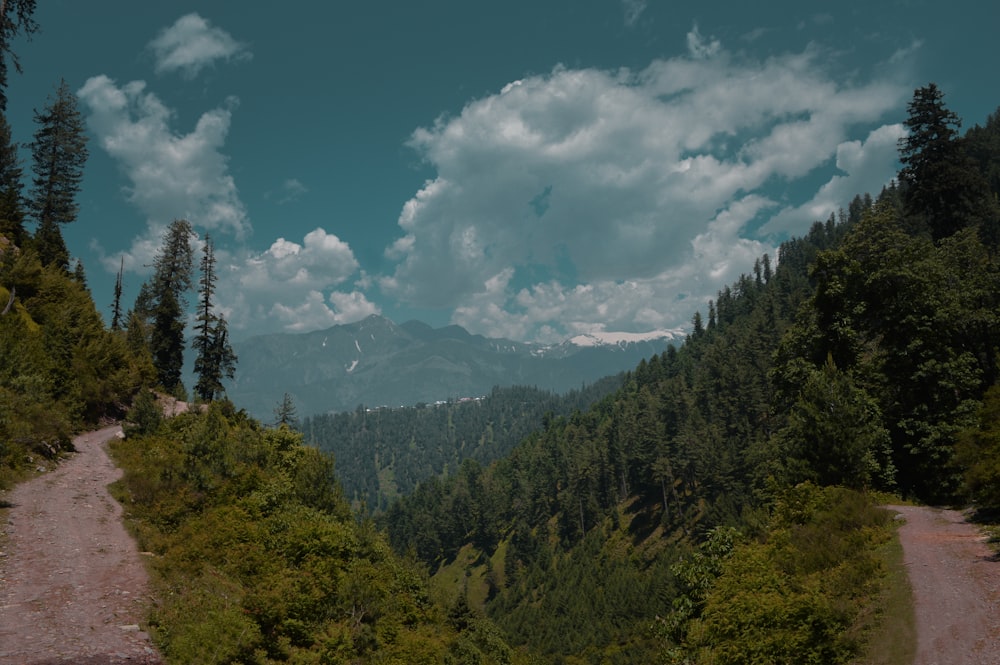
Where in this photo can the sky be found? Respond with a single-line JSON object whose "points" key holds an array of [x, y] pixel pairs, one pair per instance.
{"points": [[527, 169]]}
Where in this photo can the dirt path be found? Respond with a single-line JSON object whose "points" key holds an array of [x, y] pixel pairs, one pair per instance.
{"points": [[72, 585], [956, 588]]}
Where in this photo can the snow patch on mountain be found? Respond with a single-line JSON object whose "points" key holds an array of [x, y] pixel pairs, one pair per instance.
{"points": [[622, 338]]}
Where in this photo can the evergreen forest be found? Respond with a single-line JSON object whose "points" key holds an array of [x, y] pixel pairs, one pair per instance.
{"points": [[383, 453], [716, 504]]}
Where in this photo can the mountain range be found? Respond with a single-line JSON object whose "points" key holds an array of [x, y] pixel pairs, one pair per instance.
{"points": [[376, 362]]}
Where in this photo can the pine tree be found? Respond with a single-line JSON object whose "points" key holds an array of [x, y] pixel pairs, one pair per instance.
{"points": [[116, 306], [164, 302], [16, 17], [59, 151], [51, 247], [285, 413], [215, 360], [942, 188], [11, 214], [79, 274], [166, 343]]}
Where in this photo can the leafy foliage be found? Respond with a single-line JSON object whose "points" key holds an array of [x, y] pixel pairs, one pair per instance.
{"points": [[794, 595], [62, 369], [979, 452], [259, 560]]}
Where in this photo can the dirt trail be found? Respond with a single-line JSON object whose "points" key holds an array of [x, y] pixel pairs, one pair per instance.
{"points": [[72, 584], [956, 588]]}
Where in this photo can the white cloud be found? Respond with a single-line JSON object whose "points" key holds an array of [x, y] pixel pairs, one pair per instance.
{"points": [[290, 286], [866, 166], [293, 286], [321, 260], [590, 199], [699, 47], [290, 190], [191, 44], [172, 175], [633, 10]]}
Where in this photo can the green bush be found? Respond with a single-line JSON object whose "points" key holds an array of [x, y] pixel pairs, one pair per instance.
{"points": [[259, 559], [796, 595]]}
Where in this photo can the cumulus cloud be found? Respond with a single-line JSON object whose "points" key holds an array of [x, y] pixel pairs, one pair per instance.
{"points": [[865, 166], [699, 47], [192, 44], [586, 198], [294, 286], [172, 175]]}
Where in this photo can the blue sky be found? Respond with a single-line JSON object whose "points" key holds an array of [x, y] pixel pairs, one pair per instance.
{"points": [[531, 170]]}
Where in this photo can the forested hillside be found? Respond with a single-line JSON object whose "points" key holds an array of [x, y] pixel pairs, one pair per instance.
{"points": [[61, 369], [383, 453], [857, 361]]}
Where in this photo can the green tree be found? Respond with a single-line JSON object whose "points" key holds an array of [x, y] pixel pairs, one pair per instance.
{"points": [[16, 17], [942, 188], [59, 152], [835, 428], [164, 303], [116, 305], [285, 413], [215, 360], [978, 450], [983, 145], [906, 319], [11, 212]]}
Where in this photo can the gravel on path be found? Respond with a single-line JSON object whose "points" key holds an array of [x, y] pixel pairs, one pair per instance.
{"points": [[73, 588], [955, 578]]}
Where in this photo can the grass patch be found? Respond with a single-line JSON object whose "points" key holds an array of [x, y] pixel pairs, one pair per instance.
{"points": [[893, 636], [471, 574]]}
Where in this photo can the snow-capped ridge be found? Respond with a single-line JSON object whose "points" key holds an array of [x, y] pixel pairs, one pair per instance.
{"points": [[622, 338]]}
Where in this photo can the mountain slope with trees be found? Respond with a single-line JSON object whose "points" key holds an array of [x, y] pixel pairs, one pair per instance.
{"points": [[383, 453], [858, 362]]}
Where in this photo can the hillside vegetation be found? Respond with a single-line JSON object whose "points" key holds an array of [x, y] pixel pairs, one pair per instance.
{"points": [[383, 453]]}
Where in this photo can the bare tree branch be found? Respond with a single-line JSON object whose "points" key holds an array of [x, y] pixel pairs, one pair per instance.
{"points": [[10, 303]]}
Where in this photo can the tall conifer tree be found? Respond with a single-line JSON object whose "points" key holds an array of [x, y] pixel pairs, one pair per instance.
{"points": [[116, 306], [11, 212], [215, 359], [942, 188], [59, 151], [164, 302]]}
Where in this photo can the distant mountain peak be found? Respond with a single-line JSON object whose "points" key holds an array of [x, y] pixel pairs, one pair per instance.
{"points": [[623, 338], [375, 361]]}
